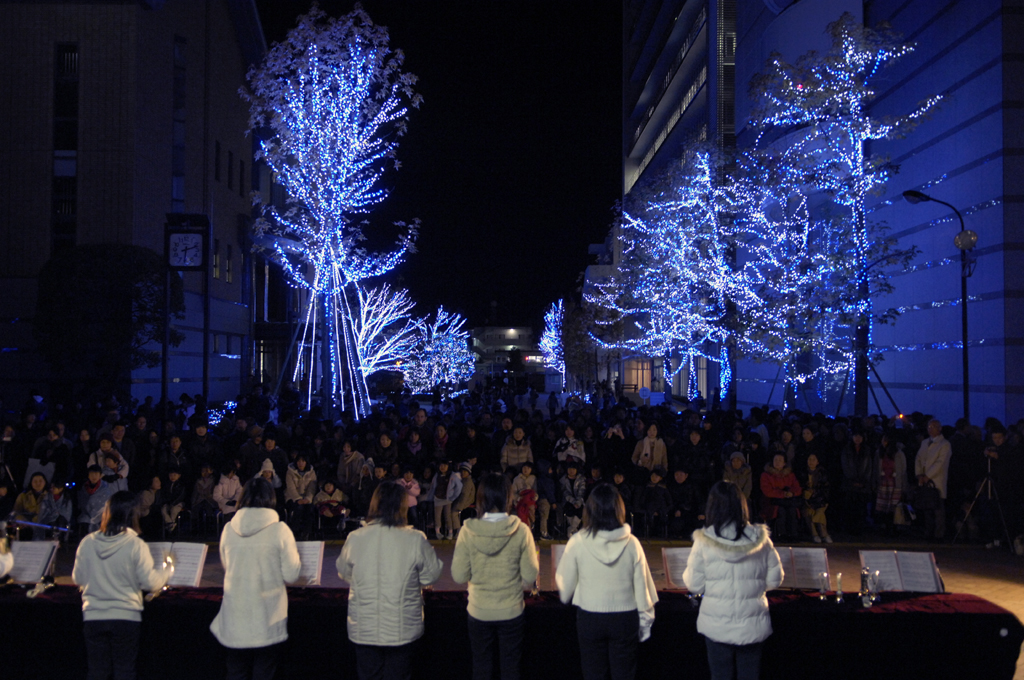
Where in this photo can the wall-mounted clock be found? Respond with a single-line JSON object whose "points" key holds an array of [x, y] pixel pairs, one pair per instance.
{"points": [[186, 244]]}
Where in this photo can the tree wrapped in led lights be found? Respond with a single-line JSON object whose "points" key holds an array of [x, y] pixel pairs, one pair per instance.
{"points": [[330, 103], [820, 104], [442, 358], [675, 281], [386, 333], [551, 339]]}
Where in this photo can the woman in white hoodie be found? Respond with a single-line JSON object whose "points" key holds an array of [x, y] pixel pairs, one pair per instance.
{"points": [[112, 567], [604, 572], [259, 556], [733, 564]]}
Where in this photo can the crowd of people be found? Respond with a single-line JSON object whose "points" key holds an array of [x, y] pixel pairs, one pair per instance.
{"points": [[808, 475]]}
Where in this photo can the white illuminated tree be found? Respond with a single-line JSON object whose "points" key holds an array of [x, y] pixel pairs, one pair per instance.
{"points": [[329, 104], [386, 332]]}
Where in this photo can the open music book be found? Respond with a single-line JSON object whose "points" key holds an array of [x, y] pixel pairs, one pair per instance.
{"points": [[674, 562], [898, 570], [32, 560], [311, 554], [801, 567], [189, 559]]}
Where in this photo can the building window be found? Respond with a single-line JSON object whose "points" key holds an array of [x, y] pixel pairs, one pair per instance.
{"points": [[241, 178], [231, 170], [216, 258], [227, 265], [64, 195], [178, 128], [216, 161]]}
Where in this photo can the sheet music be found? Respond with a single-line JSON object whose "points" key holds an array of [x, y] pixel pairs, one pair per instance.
{"points": [[674, 560], [807, 564], [557, 550], [884, 561], [919, 573], [31, 559], [311, 554], [189, 560]]}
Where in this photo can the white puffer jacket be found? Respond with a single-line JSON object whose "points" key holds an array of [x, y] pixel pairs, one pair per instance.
{"points": [[259, 556], [733, 576], [606, 572], [386, 568]]}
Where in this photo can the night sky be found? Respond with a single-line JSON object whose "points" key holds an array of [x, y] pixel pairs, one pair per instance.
{"points": [[513, 162]]}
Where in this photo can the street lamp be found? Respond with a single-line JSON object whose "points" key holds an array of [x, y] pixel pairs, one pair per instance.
{"points": [[964, 241]]}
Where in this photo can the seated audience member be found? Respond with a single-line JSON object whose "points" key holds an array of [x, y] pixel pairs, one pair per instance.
{"points": [[655, 502], [28, 503], [173, 499], [467, 497], [300, 488], [150, 501], [350, 465], [738, 472], [228, 491], [203, 502], [425, 502], [524, 494], [330, 504], [56, 508], [782, 497], [573, 487], [92, 498], [115, 471], [687, 511], [625, 490]]}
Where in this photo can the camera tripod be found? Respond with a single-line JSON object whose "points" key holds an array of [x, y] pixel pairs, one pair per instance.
{"points": [[993, 495]]}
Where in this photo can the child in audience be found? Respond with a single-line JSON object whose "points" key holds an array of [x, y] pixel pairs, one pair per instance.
{"points": [[573, 487], [524, 494], [228, 491], [816, 500], [173, 499], [425, 502], [687, 511], [412, 487], [92, 497], [655, 502], [56, 509], [546, 495], [330, 502], [467, 497]]}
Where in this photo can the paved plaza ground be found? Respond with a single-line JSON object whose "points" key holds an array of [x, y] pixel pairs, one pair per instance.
{"points": [[995, 575]]}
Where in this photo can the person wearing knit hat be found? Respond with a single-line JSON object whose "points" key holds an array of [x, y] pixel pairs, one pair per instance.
{"points": [[268, 473]]}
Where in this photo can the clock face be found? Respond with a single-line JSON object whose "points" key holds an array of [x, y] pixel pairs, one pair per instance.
{"points": [[185, 250]]}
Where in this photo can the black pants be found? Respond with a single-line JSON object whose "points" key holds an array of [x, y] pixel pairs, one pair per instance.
{"points": [[384, 663], [111, 648], [507, 636], [257, 663], [608, 644], [742, 662]]}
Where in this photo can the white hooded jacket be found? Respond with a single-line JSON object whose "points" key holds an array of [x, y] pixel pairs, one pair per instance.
{"points": [[606, 572], [112, 572], [259, 556], [733, 576]]}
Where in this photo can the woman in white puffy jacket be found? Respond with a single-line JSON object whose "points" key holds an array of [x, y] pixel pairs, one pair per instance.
{"points": [[604, 572], [387, 564], [259, 555], [733, 564]]}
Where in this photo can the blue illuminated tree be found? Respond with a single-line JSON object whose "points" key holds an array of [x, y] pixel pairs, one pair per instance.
{"points": [[329, 104], [821, 104], [442, 358], [551, 345]]}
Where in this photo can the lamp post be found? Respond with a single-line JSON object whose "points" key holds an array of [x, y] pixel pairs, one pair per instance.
{"points": [[964, 241]]}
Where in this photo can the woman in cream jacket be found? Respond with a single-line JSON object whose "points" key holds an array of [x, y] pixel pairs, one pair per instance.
{"points": [[604, 572], [259, 556]]}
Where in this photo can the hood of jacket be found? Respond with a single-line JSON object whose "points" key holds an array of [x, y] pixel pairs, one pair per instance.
{"points": [[752, 539], [491, 537], [606, 546], [107, 546], [772, 470], [250, 521]]}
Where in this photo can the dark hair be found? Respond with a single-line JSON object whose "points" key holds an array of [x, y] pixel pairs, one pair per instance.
{"points": [[726, 505], [121, 512], [604, 510], [492, 493], [257, 493], [388, 505]]}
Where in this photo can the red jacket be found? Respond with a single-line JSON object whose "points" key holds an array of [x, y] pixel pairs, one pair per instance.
{"points": [[775, 484]]}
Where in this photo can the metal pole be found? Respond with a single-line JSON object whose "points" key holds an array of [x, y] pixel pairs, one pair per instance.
{"points": [[164, 358], [963, 324]]}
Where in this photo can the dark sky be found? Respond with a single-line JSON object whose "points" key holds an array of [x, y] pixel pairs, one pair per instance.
{"points": [[513, 162]]}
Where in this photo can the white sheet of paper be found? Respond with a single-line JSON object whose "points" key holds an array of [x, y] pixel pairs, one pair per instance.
{"points": [[884, 561], [557, 550], [189, 560], [786, 557], [674, 561], [31, 559], [311, 554], [807, 564], [919, 573]]}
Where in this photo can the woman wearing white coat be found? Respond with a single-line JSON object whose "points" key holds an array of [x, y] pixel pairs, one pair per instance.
{"points": [[604, 572], [733, 564], [387, 564], [259, 556]]}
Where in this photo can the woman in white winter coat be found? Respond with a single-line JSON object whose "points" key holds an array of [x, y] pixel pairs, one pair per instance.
{"points": [[387, 564], [604, 572], [733, 564], [259, 556], [112, 567]]}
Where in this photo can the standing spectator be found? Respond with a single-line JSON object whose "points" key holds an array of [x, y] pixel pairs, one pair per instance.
{"points": [[467, 497], [412, 487], [546, 496], [445, 488], [857, 462], [524, 494], [604, 573], [931, 466], [816, 494], [173, 499], [203, 502], [350, 464], [573, 487], [92, 498], [386, 564], [259, 556], [112, 568], [495, 554], [733, 564], [299, 489], [891, 480]]}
